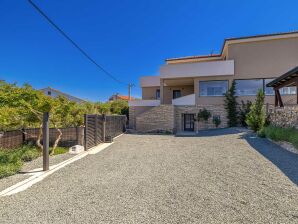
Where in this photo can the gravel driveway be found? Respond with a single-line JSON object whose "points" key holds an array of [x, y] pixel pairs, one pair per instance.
{"points": [[223, 176]]}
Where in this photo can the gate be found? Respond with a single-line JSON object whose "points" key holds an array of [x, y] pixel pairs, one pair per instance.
{"points": [[98, 128]]}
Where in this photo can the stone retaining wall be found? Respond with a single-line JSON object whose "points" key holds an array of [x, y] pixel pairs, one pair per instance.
{"points": [[215, 110], [284, 117], [159, 118]]}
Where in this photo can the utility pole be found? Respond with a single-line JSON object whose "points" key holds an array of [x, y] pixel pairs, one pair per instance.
{"points": [[130, 85]]}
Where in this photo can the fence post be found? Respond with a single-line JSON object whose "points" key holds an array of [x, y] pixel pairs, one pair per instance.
{"points": [[23, 135], [103, 128], [96, 130], [77, 136], [45, 137], [85, 132]]}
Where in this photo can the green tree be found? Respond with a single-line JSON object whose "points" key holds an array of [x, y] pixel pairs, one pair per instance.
{"points": [[256, 117], [119, 107], [244, 109], [231, 105]]}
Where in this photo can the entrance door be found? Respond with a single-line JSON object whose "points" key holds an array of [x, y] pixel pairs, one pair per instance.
{"points": [[189, 122]]}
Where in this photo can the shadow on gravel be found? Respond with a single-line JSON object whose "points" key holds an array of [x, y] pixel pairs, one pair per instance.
{"points": [[285, 160]]}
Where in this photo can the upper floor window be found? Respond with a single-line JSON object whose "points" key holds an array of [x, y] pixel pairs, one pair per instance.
{"points": [[157, 94], [213, 88], [176, 94]]}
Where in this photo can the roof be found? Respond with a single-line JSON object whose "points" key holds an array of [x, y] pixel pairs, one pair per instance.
{"points": [[227, 40], [194, 57], [62, 93], [121, 97], [284, 78]]}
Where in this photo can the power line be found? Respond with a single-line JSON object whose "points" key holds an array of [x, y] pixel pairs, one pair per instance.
{"points": [[75, 44]]}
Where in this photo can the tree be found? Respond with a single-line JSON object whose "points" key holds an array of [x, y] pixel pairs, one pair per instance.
{"points": [[231, 105], [256, 117], [244, 109], [119, 107]]}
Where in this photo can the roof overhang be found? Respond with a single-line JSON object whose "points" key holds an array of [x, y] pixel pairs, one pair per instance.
{"points": [[288, 79]]}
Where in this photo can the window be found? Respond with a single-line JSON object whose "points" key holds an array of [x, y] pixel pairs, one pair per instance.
{"points": [[248, 87], [288, 90], [176, 94], [157, 94], [269, 91], [213, 88], [49, 93]]}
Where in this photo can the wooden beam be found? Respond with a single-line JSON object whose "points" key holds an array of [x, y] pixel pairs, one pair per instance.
{"points": [[290, 82], [297, 89], [276, 99], [279, 99]]}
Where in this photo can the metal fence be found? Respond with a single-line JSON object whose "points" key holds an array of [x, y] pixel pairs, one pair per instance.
{"points": [[13, 139], [101, 128]]}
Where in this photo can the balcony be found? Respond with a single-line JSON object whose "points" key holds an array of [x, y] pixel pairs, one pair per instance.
{"points": [[198, 69], [143, 103], [189, 100]]}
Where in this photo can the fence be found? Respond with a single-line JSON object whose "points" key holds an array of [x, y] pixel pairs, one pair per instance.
{"points": [[100, 127], [70, 136]]}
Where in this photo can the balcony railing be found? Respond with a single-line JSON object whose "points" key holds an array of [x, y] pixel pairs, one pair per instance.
{"points": [[185, 100], [143, 103], [184, 70]]}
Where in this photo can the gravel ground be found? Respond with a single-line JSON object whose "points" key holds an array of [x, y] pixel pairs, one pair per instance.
{"points": [[219, 177], [37, 163]]}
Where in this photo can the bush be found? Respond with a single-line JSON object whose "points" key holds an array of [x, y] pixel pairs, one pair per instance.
{"points": [[11, 161], [256, 117], [216, 120], [244, 109], [10, 169], [59, 150], [204, 115], [282, 134]]}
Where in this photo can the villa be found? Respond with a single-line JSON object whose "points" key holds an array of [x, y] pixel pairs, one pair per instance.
{"points": [[185, 85]]}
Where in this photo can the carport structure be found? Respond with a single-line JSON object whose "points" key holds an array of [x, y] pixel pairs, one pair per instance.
{"points": [[286, 80]]}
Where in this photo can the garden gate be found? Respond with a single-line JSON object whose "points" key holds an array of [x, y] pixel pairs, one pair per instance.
{"points": [[100, 128]]}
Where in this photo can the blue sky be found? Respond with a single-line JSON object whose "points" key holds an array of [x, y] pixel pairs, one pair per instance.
{"points": [[130, 38]]}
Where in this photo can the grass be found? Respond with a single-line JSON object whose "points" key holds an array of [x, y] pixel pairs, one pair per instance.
{"points": [[281, 134], [11, 161]]}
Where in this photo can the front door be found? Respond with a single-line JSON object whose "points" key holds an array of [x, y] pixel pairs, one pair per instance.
{"points": [[189, 122]]}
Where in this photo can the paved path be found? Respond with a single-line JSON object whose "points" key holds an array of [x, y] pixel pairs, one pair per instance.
{"points": [[220, 177]]}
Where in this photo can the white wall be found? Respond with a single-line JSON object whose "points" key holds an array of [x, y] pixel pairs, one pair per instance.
{"points": [[198, 69]]}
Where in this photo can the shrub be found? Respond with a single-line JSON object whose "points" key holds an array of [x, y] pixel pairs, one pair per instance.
{"points": [[256, 117], [59, 150], [231, 105], [11, 161], [10, 169], [282, 134], [204, 115], [261, 133], [216, 120], [244, 109]]}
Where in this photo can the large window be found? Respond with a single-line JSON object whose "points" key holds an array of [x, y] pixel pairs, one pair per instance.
{"points": [[251, 87], [213, 88], [248, 87]]}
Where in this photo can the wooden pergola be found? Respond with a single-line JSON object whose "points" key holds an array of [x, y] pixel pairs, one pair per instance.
{"points": [[286, 80]]}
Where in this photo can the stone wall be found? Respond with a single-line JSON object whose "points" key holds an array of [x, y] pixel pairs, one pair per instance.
{"points": [[134, 112], [159, 118], [284, 117], [215, 110]]}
